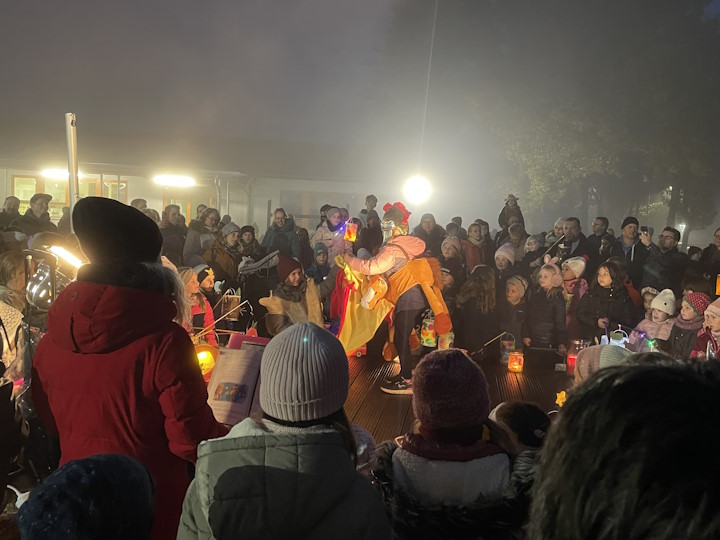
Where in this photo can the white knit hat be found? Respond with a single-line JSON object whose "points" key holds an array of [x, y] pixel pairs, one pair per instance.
{"points": [[507, 251], [577, 265], [664, 301], [303, 374]]}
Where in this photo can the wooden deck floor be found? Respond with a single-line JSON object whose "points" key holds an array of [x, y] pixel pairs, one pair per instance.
{"points": [[387, 416]]}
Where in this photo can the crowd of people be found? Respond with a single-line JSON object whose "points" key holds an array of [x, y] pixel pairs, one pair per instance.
{"points": [[116, 379]]}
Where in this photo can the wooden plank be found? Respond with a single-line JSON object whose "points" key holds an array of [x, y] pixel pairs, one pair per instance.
{"points": [[502, 384], [372, 372], [356, 366], [409, 423], [392, 418]]}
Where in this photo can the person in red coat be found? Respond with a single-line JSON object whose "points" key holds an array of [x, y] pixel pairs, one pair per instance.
{"points": [[115, 373]]}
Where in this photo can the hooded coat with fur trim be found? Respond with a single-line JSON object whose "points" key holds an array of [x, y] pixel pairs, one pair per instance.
{"points": [[107, 382]]}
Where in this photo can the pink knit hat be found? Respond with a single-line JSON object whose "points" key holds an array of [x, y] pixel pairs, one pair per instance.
{"points": [[507, 251], [714, 308], [454, 242]]}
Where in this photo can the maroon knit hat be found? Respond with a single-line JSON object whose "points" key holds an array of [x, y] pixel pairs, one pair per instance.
{"points": [[449, 391], [285, 266], [698, 301]]}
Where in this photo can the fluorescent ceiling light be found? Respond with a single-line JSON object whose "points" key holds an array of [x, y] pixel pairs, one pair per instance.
{"points": [[173, 180]]}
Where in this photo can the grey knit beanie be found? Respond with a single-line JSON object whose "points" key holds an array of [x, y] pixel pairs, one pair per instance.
{"points": [[303, 374]]}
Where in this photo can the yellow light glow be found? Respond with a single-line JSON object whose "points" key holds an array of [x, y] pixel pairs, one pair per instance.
{"points": [[58, 174], [417, 189], [65, 255], [174, 180]]}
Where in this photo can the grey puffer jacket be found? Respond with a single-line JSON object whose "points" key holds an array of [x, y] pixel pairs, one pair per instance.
{"points": [[502, 519], [256, 483]]}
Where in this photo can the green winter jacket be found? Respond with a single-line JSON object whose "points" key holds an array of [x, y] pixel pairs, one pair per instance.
{"points": [[255, 483]]}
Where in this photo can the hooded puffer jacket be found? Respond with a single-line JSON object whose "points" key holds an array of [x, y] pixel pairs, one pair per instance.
{"points": [[495, 519], [255, 483], [114, 374]]}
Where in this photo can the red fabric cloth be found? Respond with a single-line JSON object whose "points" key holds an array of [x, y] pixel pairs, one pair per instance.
{"points": [[339, 296], [635, 296], [114, 374]]}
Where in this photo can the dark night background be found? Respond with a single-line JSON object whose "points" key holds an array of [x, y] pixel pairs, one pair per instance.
{"points": [[593, 106]]}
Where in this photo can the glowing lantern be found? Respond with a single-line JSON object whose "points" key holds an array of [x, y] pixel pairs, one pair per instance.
{"points": [[516, 361], [571, 360], [206, 356], [351, 231]]}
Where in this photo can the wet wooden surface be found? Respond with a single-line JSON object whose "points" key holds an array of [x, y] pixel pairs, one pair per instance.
{"points": [[387, 416]]}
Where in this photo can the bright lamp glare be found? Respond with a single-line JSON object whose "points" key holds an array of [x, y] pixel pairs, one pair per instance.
{"points": [[172, 180], [417, 189], [66, 255], [58, 174]]}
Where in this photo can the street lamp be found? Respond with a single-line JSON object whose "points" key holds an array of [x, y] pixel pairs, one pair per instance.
{"points": [[417, 189]]}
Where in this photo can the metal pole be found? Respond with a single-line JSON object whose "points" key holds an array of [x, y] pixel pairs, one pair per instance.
{"points": [[71, 135], [227, 197]]}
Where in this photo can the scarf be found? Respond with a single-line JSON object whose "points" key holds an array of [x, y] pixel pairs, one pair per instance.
{"points": [[476, 243], [693, 324], [459, 444]]}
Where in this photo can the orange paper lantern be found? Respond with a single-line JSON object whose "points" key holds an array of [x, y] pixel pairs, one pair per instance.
{"points": [[516, 361], [351, 231]]}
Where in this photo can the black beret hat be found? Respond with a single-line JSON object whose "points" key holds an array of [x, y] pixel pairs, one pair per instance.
{"points": [[110, 231]]}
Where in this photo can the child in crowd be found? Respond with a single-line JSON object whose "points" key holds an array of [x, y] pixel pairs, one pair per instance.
{"points": [[657, 325], [477, 248], [701, 284], [533, 259], [453, 276], [249, 246], [206, 278], [525, 423], [648, 295], [684, 333], [545, 321], [443, 479], [201, 315], [450, 249], [635, 297], [320, 267], [606, 305], [293, 472], [708, 338], [513, 309], [505, 265], [477, 322], [574, 288]]}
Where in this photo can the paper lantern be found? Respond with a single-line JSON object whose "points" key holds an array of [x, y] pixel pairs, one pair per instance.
{"points": [[516, 361], [571, 360], [206, 356]]}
